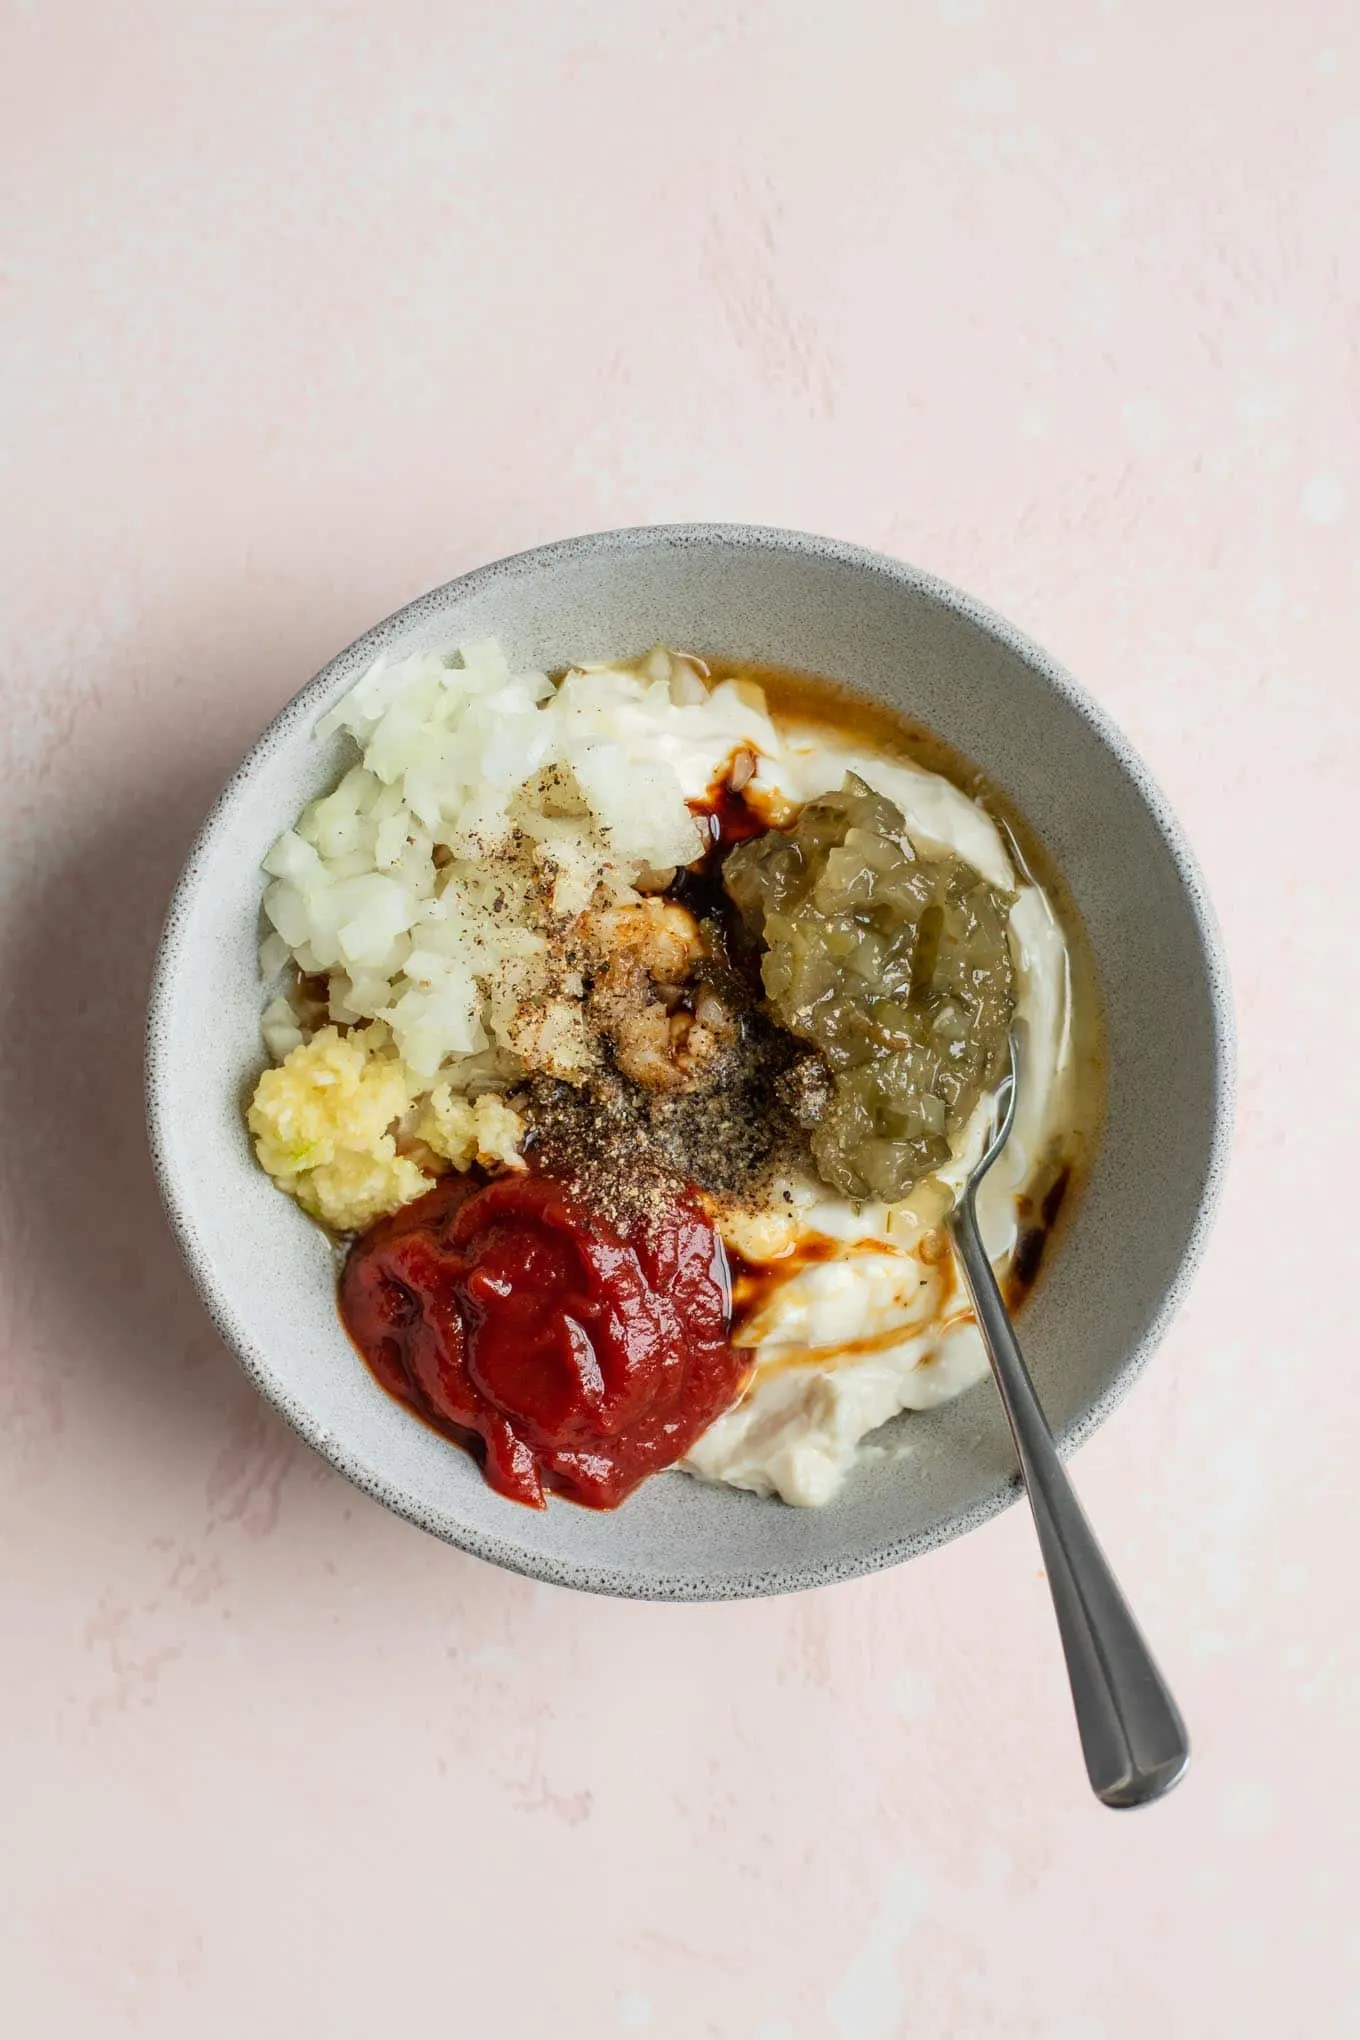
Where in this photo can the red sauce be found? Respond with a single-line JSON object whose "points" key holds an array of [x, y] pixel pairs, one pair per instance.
{"points": [[583, 1358]]}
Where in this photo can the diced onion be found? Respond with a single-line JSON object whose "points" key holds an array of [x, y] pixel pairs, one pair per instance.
{"points": [[384, 883]]}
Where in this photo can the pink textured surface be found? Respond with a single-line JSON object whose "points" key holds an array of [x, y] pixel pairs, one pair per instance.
{"points": [[309, 306]]}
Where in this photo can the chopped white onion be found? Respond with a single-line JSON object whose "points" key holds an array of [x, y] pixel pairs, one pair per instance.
{"points": [[464, 754], [279, 1026]]}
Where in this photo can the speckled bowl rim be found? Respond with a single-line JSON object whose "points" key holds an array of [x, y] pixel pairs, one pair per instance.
{"points": [[660, 1586]]}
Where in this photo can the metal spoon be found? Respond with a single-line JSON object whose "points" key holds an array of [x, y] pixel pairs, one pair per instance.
{"points": [[1132, 1735]]}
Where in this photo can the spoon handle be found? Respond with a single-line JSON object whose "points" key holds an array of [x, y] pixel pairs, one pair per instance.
{"points": [[1132, 1735]]}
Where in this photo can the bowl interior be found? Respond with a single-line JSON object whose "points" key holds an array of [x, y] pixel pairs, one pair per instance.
{"points": [[267, 1274]]}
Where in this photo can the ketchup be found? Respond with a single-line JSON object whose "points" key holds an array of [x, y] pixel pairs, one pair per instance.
{"points": [[584, 1357]]}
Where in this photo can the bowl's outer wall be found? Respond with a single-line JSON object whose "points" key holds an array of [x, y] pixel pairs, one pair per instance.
{"points": [[267, 1274]]}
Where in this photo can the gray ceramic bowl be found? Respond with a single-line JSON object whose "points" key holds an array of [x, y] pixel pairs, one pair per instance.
{"points": [[267, 1275]]}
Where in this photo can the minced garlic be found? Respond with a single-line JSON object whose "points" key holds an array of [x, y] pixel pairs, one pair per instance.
{"points": [[326, 1120], [464, 1131]]}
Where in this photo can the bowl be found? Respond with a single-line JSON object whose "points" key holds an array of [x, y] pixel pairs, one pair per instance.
{"points": [[267, 1274]]}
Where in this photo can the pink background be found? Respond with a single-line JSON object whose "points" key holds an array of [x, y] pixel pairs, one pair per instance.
{"points": [[307, 307]]}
